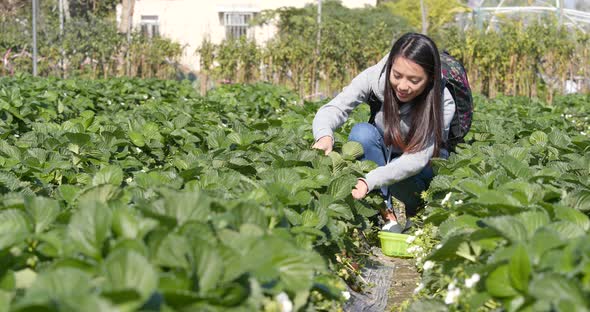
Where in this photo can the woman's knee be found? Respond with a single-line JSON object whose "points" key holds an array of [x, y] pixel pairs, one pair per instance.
{"points": [[364, 133]]}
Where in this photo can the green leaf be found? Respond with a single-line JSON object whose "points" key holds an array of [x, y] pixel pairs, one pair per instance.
{"points": [[67, 192], [277, 258], [9, 150], [341, 187], [352, 150], [338, 162], [509, 227], [498, 283], [554, 288], [208, 266], [184, 206], [110, 174], [449, 248], [573, 216], [310, 218], [24, 278], [66, 286], [129, 270], [430, 305], [5, 300], [473, 186], [497, 199], [566, 230], [89, 228], [520, 268], [43, 210], [460, 223], [579, 200], [515, 167], [173, 252], [137, 138], [539, 138], [533, 220], [543, 241], [80, 139], [559, 138], [14, 227], [127, 223]]}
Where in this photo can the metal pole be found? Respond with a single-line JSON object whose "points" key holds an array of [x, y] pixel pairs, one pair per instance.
{"points": [[424, 21], [129, 23], [35, 4], [61, 37], [318, 52], [560, 10]]}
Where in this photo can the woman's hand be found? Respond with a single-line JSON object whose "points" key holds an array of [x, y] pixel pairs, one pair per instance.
{"points": [[360, 190], [325, 144]]}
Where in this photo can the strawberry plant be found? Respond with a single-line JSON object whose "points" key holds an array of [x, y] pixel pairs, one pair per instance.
{"points": [[513, 223], [138, 194]]}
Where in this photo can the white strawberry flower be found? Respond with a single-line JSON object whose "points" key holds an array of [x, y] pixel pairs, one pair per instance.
{"points": [[129, 180], [446, 199], [419, 232], [452, 296], [412, 249], [428, 265], [452, 285], [419, 288], [410, 239], [471, 281], [438, 246], [458, 202], [346, 295], [285, 302]]}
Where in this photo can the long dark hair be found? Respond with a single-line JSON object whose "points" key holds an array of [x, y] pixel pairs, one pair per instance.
{"points": [[426, 116]]}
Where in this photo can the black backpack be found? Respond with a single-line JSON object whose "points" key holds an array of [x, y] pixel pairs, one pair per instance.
{"points": [[454, 79]]}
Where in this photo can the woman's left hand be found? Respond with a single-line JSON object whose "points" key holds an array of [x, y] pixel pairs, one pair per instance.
{"points": [[360, 190]]}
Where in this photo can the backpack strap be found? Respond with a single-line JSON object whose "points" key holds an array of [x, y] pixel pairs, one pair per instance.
{"points": [[375, 106], [374, 102]]}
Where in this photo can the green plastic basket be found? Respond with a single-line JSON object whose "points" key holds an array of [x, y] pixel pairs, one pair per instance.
{"points": [[394, 245]]}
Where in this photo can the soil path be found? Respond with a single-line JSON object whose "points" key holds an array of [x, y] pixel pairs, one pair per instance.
{"points": [[393, 281], [405, 280]]}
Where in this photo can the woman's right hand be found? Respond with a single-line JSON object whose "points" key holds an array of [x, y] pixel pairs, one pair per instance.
{"points": [[325, 144]]}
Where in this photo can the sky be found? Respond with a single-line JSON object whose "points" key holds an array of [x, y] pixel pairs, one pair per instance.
{"points": [[568, 4]]}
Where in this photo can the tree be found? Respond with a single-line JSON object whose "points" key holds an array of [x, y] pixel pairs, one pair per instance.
{"points": [[128, 7], [439, 12]]}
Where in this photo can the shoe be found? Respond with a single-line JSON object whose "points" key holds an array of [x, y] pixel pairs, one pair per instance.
{"points": [[392, 227]]}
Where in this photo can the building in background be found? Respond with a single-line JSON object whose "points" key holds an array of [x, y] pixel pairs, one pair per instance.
{"points": [[190, 21]]}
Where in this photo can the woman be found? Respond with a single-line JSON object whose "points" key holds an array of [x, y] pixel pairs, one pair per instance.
{"points": [[411, 127]]}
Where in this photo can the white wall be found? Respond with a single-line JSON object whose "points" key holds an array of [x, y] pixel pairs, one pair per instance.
{"points": [[189, 21]]}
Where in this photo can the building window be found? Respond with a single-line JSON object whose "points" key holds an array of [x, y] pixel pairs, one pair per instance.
{"points": [[150, 27], [237, 24]]}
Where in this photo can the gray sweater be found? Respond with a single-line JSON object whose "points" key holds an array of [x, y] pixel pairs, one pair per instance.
{"points": [[332, 115]]}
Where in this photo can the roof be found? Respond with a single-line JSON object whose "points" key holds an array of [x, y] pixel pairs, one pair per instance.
{"points": [[238, 8]]}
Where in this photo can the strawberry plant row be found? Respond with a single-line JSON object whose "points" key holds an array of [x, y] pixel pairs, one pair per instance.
{"points": [[126, 195], [510, 213]]}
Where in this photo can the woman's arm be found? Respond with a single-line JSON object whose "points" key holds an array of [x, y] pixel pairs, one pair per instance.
{"points": [[332, 115], [408, 165]]}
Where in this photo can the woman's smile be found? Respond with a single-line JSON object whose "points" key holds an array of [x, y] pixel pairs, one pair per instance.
{"points": [[407, 78]]}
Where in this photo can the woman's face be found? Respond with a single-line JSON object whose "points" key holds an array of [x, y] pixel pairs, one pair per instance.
{"points": [[407, 78]]}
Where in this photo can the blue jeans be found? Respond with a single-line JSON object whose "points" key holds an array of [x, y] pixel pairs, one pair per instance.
{"points": [[408, 190]]}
